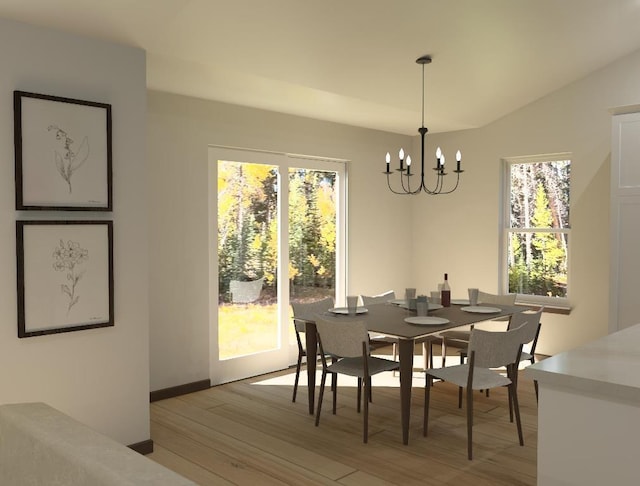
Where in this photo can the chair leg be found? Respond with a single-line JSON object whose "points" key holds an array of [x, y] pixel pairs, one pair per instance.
{"points": [[359, 394], [365, 426], [535, 385], [469, 422], [334, 377], [443, 352], [394, 352], [431, 354], [425, 355], [510, 408], [370, 390], [320, 396], [295, 383], [334, 383], [427, 396], [513, 392], [459, 397]]}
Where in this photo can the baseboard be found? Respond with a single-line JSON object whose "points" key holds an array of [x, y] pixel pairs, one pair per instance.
{"points": [[176, 391], [145, 447]]}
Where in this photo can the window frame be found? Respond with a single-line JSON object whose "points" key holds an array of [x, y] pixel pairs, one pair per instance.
{"points": [[560, 303]]}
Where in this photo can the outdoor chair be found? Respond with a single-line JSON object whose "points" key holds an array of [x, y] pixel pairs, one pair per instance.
{"points": [[245, 292]]}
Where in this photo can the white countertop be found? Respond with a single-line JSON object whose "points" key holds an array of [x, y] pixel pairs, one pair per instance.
{"points": [[609, 366]]}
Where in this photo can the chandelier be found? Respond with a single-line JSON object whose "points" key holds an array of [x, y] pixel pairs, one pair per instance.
{"points": [[404, 169]]}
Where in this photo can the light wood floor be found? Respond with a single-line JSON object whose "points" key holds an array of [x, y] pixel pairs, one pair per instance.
{"points": [[249, 432]]}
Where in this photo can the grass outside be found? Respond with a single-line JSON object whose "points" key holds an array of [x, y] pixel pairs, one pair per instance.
{"points": [[245, 329]]}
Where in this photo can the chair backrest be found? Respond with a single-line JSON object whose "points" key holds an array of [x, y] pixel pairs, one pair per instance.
{"points": [[341, 338], [506, 299], [309, 310], [245, 292], [378, 299], [494, 349], [532, 320]]}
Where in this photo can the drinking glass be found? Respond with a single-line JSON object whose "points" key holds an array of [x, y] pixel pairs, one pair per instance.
{"points": [[473, 296], [422, 308], [352, 304], [409, 294]]}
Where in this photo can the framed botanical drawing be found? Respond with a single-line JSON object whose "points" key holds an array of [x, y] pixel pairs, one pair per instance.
{"points": [[65, 276], [62, 153]]}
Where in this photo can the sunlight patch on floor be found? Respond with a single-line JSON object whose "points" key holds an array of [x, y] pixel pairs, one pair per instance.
{"points": [[386, 379]]}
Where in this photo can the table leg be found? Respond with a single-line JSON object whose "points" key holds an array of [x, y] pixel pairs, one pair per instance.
{"points": [[405, 353], [312, 358]]}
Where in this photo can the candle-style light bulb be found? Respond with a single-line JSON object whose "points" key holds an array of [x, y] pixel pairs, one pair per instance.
{"points": [[401, 154], [408, 165], [438, 153], [387, 159], [442, 160], [458, 159]]}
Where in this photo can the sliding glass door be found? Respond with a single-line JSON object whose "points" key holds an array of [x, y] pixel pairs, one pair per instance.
{"points": [[267, 250]]}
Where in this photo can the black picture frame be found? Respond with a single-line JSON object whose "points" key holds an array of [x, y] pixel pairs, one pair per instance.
{"points": [[63, 153], [64, 276]]}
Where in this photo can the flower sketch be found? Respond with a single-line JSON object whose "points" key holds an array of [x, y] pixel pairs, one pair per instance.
{"points": [[67, 257], [69, 161]]}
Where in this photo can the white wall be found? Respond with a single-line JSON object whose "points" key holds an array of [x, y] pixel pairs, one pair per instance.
{"points": [[573, 119], [395, 241], [180, 129], [99, 377]]}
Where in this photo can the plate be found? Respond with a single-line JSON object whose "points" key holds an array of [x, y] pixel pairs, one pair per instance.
{"points": [[460, 301], [398, 301], [345, 310], [434, 306], [479, 309], [427, 320]]}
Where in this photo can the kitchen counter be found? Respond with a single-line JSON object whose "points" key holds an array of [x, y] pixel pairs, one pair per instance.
{"points": [[589, 412]]}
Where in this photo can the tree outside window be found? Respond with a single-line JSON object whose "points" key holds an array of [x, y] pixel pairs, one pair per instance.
{"points": [[537, 226]]}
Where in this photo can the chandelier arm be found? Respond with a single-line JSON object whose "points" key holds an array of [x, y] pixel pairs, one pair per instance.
{"points": [[393, 190], [454, 187], [407, 190]]}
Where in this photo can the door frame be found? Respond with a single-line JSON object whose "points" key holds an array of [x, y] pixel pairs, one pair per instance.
{"points": [[245, 366]]}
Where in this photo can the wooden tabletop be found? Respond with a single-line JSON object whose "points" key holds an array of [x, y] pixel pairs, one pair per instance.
{"points": [[388, 319]]}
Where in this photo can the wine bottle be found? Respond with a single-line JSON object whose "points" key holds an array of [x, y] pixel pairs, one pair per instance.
{"points": [[445, 293]]}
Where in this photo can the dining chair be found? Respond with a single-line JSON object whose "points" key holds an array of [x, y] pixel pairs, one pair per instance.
{"points": [[487, 350], [377, 340], [305, 309], [459, 339], [533, 326], [349, 343]]}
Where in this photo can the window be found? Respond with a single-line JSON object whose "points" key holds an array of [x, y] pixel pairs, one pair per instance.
{"points": [[536, 229]]}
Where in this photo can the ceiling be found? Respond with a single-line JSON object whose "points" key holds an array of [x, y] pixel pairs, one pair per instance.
{"points": [[353, 61]]}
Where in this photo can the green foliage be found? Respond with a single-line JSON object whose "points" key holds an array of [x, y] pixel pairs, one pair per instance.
{"points": [[248, 225], [539, 201]]}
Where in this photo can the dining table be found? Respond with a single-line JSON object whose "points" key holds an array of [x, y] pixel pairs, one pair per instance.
{"points": [[389, 319]]}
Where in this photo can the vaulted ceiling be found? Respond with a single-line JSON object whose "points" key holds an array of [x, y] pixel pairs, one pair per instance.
{"points": [[353, 61]]}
